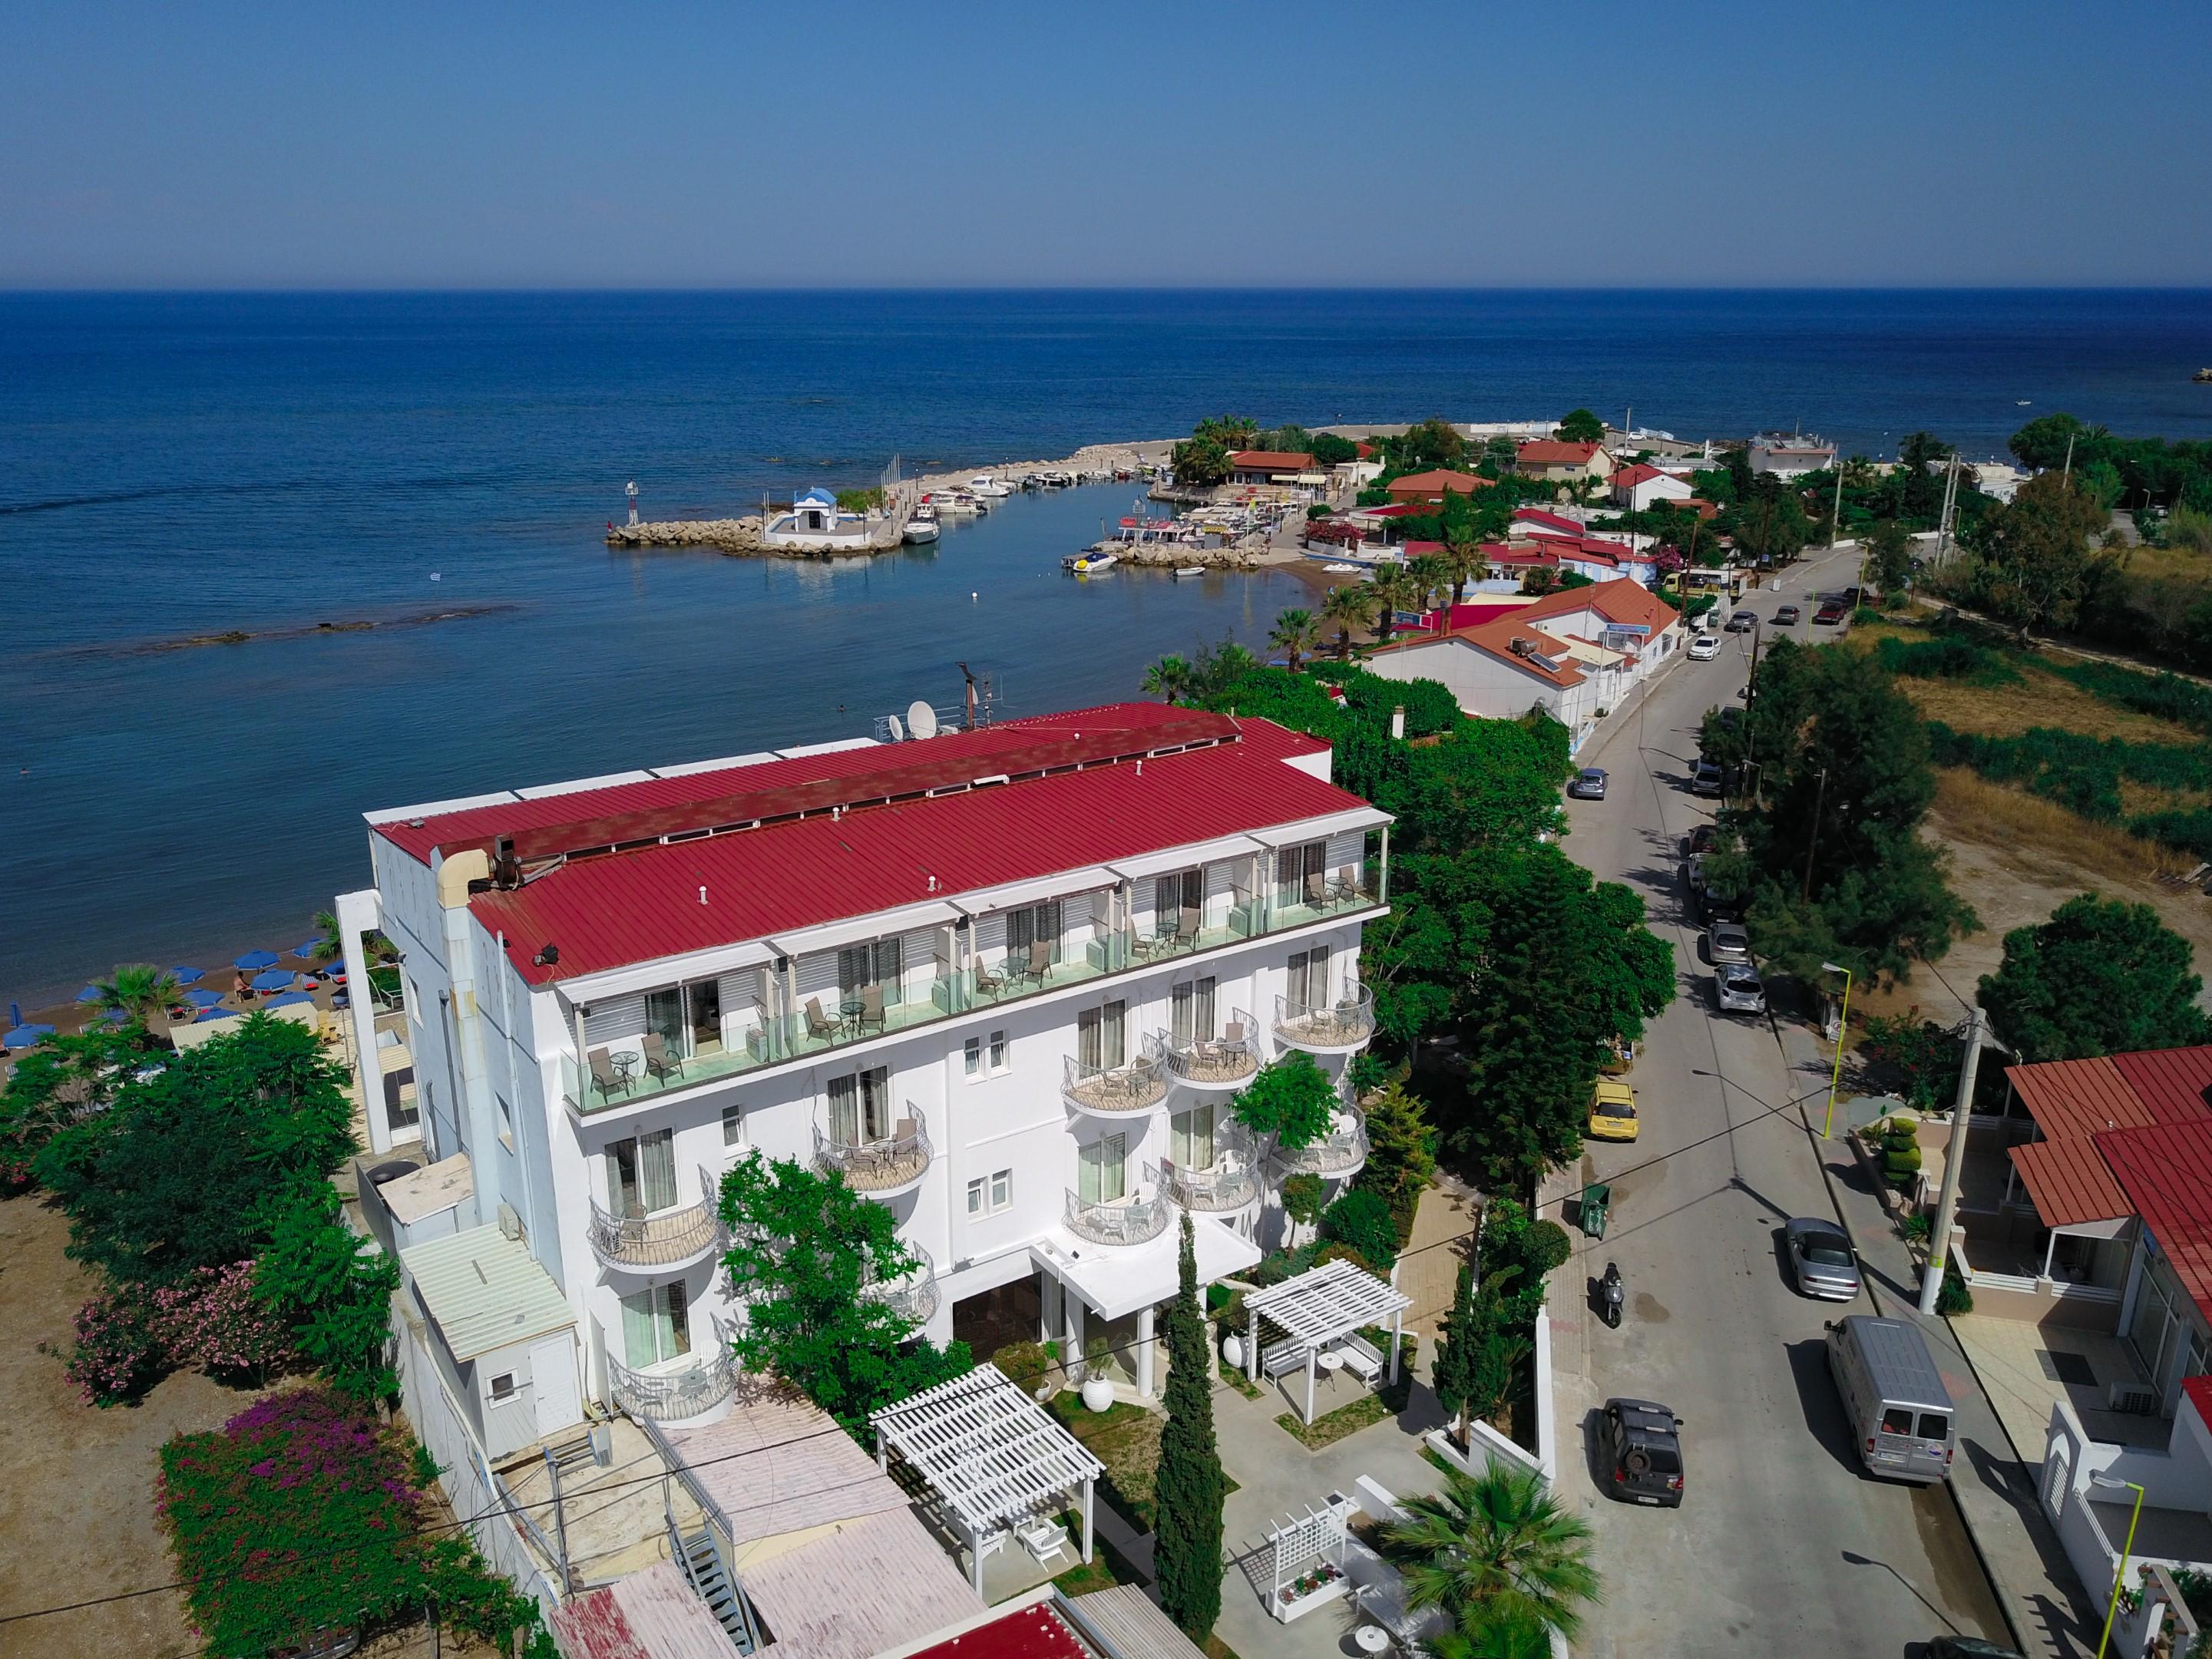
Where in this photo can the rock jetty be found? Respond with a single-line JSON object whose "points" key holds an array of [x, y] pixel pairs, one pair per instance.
{"points": [[730, 535]]}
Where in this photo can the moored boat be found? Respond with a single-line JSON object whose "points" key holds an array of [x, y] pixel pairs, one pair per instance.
{"points": [[921, 527], [1181, 571]]}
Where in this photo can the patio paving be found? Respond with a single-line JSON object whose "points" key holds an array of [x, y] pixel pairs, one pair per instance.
{"points": [[2025, 1369]]}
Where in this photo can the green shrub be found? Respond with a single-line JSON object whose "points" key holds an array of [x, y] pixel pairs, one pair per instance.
{"points": [[1948, 657], [1901, 1160], [1954, 1298], [1363, 1220], [1024, 1364]]}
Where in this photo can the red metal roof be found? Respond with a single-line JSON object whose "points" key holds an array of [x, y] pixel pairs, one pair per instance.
{"points": [[644, 904], [2068, 1183], [2075, 1102], [2166, 1172], [2074, 1099], [1032, 1633], [1272, 460], [2199, 1392], [2171, 1083]]}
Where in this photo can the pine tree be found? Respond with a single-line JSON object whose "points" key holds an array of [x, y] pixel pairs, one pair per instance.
{"points": [[1188, 1493], [1455, 1349], [1399, 1163]]}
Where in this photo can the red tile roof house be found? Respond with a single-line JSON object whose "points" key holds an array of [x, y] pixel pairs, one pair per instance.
{"points": [[1636, 487], [877, 958], [1559, 462], [1433, 486], [1263, 466]]}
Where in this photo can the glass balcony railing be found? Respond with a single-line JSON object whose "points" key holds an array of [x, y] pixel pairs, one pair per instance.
{"points": [[624, 1073]]}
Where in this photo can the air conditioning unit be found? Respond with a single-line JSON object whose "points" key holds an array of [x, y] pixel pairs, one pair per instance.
{"points": [[2137, 1399]]}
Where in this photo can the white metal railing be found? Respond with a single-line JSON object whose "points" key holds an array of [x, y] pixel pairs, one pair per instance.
{"points": [[1344, 1023], [660, 1239], [1229, 1183], [1136, 1086], [1341, 1151], [677, 1394], [913, 1295], [1130, 1221], [1224, 1061], [895, 1163]]}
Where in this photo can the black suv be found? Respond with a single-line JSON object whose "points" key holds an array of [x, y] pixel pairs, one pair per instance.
{"points": [[1644, 1441]]}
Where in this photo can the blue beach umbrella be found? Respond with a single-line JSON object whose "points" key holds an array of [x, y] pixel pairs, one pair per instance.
{"points": [[116, 1016], [311, 950], [24, 1037], [253, 960], [187, 975], [276, 979], [201, 999], [287, 999], [207, 1014], [90, 993]]}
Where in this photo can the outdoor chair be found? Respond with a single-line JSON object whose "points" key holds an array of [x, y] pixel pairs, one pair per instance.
{"points": [[1360, 1358], [871, 1007], [1280, 1359], [604, 1078], [659, 1062], [818, 1023], [1186, 933], [903, 1134], [1316, 889], [1044, 1540], [1040, 960]]}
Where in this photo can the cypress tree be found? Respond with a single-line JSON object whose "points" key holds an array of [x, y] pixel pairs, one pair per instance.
{"points": [[1187, 1491], [1455, 1352]]}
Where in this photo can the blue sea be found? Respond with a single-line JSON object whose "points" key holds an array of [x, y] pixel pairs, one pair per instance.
{"points": [[176, 465]]}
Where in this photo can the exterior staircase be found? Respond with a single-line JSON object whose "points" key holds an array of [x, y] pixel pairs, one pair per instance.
{"points": [[702, 1565]]}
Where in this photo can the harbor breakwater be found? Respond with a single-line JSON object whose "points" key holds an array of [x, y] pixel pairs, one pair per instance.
{"points": [[742, 538]]}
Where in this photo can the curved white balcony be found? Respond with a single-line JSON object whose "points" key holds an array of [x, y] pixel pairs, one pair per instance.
{"points": [[1130, 1221], [1211, 1064], [880, 1168], [667, 1238], [1224, 1189], [1338, 1155], [1340, 1028], [694, 1390], [1124, 1091], [913, 1296]]}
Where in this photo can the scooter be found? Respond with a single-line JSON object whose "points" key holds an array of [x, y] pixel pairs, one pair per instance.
{"points": [[1614, 1291]]}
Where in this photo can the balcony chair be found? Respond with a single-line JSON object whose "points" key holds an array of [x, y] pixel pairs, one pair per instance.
{"points": [[903, 1135], [660, 1060], [872, 1008], [1316, 891], [818, 1023], [1186, 930], [604, 1078]]}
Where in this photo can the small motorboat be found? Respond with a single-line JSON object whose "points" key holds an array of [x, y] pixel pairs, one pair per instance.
{"points": [[2202, 377], [922, 527], [1341, 569], [986, 488], [1090, 564], [953, 507], [1184, 570]]}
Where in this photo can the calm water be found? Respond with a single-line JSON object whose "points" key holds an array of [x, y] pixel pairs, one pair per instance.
{"points": [[175, 465]]}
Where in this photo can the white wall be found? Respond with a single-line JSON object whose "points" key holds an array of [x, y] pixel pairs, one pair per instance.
{"points": [[1487, 688]]}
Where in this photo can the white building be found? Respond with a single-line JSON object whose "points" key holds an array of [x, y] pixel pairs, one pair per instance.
{"points": [[1790, 454], [817, 521], [1005, 980], [1636, 487]]}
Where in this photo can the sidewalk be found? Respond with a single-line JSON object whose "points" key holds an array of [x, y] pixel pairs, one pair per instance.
{"points": [[1993, 1484]]}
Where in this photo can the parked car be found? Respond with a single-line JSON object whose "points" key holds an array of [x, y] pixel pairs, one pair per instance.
{"points": [[1822, 1258], [1703, 839], [1588, 784], [1743, 622], [1737, 990], [1716, 905], [1705, 647], [1612, 1111], [1727, 941], [1644, 1440], [1829, 614], [1786, 617], [1707, 779]]}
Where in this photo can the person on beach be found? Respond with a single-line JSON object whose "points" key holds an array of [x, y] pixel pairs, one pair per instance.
{"points": [[240, 988]]}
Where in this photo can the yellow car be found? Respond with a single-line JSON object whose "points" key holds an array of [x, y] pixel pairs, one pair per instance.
{"points": [[1612, 1111]]}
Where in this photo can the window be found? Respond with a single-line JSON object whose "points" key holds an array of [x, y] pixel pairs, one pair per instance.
{"points": [[1190, 1011], [688, 1018], [861, 1108], [506, 1122], [656, 1324], [642, 1174], [1300, 877], [1934, 1426], [502, 1388], [1102, 1038], [1103, 1170], [1173, 895], [1309, 982], [980, 1055], [988, 1194], [971, 1056], [997, 1051], [876, 963], [1190, 1139], [1897, 1420], [733, 1125]]}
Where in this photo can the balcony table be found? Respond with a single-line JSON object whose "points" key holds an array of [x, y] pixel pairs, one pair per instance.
{"points": [[624, 1060]]}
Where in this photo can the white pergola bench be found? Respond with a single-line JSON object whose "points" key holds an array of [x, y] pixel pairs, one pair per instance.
{"points": [[1323, 1307], [995, 1458]]}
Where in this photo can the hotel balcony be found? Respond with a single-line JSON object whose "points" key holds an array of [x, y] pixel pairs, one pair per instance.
{"points": [[1227, 1061], [692, 1389], [880, 1168], [1340, 1028], [1223, 1189], [1128, 1220], [666, 1238], [1122, 1091], [914, 1295], [1338, 1155]]}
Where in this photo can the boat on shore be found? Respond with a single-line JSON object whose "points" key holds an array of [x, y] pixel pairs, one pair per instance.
{"points": [[1187, 570]]}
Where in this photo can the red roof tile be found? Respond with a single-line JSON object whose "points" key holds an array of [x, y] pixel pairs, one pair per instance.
{"points": [[2068, 1182], [2166, 1172], [1438, 482], [1559, 521], [1035, 1631], [1272, 460], [2171, 1083], [1620, 600], [1629, 477], [1550, 451]]}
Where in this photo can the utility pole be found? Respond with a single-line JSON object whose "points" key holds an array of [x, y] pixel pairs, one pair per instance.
{"points": [[1820, 794], [2068, 473], [1943, 522], [1931, 1281], [1836, 519]]}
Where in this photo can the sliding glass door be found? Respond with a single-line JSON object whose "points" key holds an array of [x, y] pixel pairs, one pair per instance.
{"points": [[656, 1325], [1103, 1170], [641, 1175], [1190, 1138], [1102, 1038], [861, 1108]]}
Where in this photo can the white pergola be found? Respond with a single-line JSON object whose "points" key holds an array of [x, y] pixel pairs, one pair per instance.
{"points": [[1322, 1305], [991, 1453]]}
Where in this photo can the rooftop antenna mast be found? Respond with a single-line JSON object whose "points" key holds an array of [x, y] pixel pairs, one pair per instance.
{"points": [[971, 679], [631, 492]]}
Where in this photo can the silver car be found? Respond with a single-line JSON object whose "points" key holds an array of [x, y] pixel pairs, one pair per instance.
{"points": [[1726, 941], [1737, 990], [1822, 1259], [1588, 784]]}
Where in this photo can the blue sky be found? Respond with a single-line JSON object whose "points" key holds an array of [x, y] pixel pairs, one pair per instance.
{"points": [[1476, 143]]}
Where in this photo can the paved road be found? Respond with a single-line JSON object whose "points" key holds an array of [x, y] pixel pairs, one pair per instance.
{"points": [[1782, 1545]]}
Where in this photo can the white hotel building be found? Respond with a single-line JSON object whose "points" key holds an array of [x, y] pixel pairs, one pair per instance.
{"points": [[1004, 980]]}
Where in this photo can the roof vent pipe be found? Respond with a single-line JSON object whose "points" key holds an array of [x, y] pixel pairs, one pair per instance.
{"points": [[1398, 722], [703, 896]]}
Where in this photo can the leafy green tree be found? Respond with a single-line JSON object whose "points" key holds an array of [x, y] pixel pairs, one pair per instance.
{"points": [[1426, 446], [1200, 463], [1188, 1489], [1362, 1220], [61, 1080], [193, 1166], [1401, 1155], [1518, 1254], [1581, 426], [1478, 1352], [2099, 977], [1293, 635], [335, 1292], [1498, 454], [1330, 450], [1889, 549], [2033, 564], [1497, 1543], [1287, 1104], [805, 1253], [1302, 1196], [1167, 679], [139, 990]]}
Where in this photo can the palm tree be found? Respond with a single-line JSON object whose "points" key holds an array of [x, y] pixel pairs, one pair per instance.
{"points": [[1495, 1545], [1391, 587], [140, 991], [1428, 573], [1463, 560], [1350, 606], [1169, 678], [1293, 635], [1493, 1635], [326, 924]]}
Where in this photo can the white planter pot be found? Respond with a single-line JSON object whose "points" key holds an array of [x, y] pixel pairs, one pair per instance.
{"points": [[1232, 1351], [1097, 1394]]}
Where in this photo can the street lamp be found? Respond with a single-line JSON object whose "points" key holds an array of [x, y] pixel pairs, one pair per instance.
{"points": [[2114, 1483], [1843, 1018]]}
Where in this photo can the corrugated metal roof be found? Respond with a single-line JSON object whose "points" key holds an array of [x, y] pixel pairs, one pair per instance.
{"points": [[1033, 1628], [485, 1291], [2166, 1173], [641, 906], [592, 1627], [2068, 1182], [1133, 1624], [2074, 1099], [2171, 1082], [652, 1614], [779, 1463], [871, 1584]]}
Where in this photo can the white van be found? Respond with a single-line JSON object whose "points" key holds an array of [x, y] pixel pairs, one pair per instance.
{"points": [[1900, 1414]]}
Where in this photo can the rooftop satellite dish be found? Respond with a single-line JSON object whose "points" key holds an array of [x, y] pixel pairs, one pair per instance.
{"points": [[921, 719], [898, 732]]}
